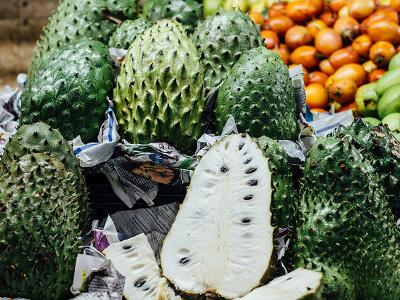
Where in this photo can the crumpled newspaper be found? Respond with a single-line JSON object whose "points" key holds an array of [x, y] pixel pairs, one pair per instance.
{"points": [[9, 110]]}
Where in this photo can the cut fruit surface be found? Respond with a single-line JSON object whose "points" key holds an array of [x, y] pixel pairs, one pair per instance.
{"points": [[299, 284], [222, 239], [134, 259]]}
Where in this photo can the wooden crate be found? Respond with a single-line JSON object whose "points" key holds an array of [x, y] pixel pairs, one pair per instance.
{"points": [[21, 23]]}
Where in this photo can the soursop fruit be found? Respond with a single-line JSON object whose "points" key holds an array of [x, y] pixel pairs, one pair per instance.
{"points": [[186, 12], [221, 40], [134, 259], [221, 241], [126, 33], [41, 138], [260, 96], [300, 284], [159, 94], [346, 229], [38, 138], [74, 19], [383, 151], [40, 220], [283, 203], [69, 91]]}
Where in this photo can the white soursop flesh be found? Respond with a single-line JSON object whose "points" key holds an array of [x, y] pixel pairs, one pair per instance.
{"points": [[134, 258], [297, 285], [222, 239]]}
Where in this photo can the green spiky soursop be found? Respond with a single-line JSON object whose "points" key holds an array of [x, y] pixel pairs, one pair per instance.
{"points": [[346, 229], [221, 241], [74, 19], [383, 150], [221, 40], [40, 203], [69, 91], [124, 36], [186, 12], [37, 138], [159, 94], [260, 96], [283, 196]]}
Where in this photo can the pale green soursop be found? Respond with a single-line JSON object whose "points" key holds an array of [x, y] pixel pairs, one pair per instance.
{"points": [[40, 217], [346, 228], [186, 12], [221, 40], [126, 33], [259, 94], [159, 94], [69, 91], [41, 138], [74, 19]]}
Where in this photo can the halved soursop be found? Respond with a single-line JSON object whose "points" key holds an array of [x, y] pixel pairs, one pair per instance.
{"points": [[127, 32], [222, 240], [159, 95], [40, 220], [221, 40], [69, 90], [186, 12], [259, 94], [134, 258], [300, 284]]}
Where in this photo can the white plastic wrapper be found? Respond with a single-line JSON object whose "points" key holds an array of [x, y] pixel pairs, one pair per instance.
{"points": [[327, 123], [117, 55], [93, 154], [104, 278]]}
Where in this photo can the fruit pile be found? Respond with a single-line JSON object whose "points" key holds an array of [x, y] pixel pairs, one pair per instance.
{"points": [[342, 44], [339, 210]]}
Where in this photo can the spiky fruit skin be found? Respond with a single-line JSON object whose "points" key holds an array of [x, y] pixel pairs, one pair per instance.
{"points": [[159, 94], [221, 40], [69, 91], [74, 19], [282, 205], [39, 227], [260, 96], [41, 138], [125, 34], [346, 228], [383, 150], [186, 12]]}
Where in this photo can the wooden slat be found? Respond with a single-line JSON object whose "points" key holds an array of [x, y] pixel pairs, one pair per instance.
{"points": [[9, 9], [15, 58], [37, 9]]}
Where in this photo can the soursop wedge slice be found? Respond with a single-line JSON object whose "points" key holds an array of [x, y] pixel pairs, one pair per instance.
{"points": [[221, 240], [297, 285], [134, 259]]}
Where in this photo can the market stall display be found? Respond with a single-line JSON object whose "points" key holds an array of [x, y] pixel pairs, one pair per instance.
{"points": [[200, 117]]}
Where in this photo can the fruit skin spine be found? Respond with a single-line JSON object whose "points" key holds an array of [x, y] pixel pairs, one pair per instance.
{"points": [[259, 94], [159, 94]]}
